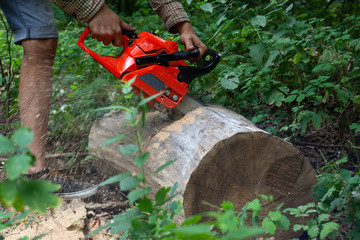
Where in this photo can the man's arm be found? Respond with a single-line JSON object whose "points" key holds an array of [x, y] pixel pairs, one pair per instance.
{"points": [[176, 20], [104, 24]]}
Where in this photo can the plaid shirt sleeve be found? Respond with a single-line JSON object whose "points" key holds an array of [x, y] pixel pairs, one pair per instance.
{"points": [[81, 10], [171, 12]]}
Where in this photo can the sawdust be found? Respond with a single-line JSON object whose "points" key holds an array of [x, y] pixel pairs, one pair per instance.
{"points": [[161, 136], [187, 119], [64, 223]]}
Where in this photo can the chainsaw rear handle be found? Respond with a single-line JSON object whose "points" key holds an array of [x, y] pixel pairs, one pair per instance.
{"points": [[164, 58]]}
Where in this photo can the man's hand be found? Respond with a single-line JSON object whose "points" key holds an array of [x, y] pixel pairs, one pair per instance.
{"points": [[106, 26], [191, 41]]}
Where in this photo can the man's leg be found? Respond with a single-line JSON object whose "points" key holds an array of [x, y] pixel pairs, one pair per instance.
{"points": [[35, 93], [33, 26]]}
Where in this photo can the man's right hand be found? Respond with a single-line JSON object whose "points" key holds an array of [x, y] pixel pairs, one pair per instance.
{"points": [[106, 26]]}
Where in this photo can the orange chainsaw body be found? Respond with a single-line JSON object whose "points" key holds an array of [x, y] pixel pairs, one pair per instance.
{"points": [[150, 79]]}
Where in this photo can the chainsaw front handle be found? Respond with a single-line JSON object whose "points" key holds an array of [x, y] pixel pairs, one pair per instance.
{"points": [[106, 61], [164, 58]]}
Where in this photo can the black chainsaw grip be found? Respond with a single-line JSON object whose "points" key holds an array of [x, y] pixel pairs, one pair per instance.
{"points": [[186, 54], [165, 58]]}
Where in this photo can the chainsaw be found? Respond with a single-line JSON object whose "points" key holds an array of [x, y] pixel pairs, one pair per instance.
{"points": [[156, 67]]}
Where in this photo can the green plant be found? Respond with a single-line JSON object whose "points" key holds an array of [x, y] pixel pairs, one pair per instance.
{"points": [[337, 206], [281, 67], [10, 59], [18, 191]]}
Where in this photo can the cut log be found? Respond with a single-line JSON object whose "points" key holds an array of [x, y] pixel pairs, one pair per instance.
{"points": [[221, 157]]}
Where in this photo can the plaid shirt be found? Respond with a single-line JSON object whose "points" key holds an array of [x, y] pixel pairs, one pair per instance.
{"points": [[171, 11]]}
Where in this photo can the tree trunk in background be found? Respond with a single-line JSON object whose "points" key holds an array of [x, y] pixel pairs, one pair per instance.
{"points": [[221, 157]]}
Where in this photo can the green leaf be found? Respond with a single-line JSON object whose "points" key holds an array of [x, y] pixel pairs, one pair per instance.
{"points": [[290, 98], [141, 159], [165, 165], [5, 145], [193, 230], [255, 205], [298, 227], [316, 120], [313, 231], [244, 232], [161, 195], [38, 194], [289, 7], [275, 216], [227, 205], [257, 53], [17, 165], [230, 81], [277, 98], [191, 220], [284, 222], [175, 207], [8, 193], [259, 20], [355, 126], [129, 183], [22, 137], [271, 58], [129, 149], [207, 7], [328, 228], [145, 205], [116, 178], [137, 193], [269, 226], [323, 217], [146, 100], [357, 99], [113, 140], [342, 95], [296, 57]]}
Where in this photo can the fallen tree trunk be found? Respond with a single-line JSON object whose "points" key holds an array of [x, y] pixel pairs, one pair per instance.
{"points": [[221, 157]]}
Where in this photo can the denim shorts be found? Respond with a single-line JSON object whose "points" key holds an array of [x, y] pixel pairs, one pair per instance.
{"points": [[30, 19]]}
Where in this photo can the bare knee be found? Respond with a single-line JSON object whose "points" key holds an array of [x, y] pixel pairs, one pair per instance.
{"points": [[40, 49]]}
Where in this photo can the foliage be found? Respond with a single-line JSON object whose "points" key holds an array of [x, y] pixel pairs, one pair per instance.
{"points": [[18, 191], [10, 59], [280, 68], [337, 192]]}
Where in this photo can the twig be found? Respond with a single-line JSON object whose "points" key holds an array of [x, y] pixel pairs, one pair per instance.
{"points": [[319, 145], [56, 155], [59, 155]]}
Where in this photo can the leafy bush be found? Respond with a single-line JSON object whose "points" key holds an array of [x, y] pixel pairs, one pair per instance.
{"points": [[337, 208], [10, 59], [291, 70], [18, 191]]}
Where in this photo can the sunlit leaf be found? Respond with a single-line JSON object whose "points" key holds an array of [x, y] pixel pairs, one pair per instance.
{"points": [[22, 137], [259, 20], [17, 165]]}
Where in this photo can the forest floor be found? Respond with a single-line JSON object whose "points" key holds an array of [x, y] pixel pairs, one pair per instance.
{"points": [[75, 219]]}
